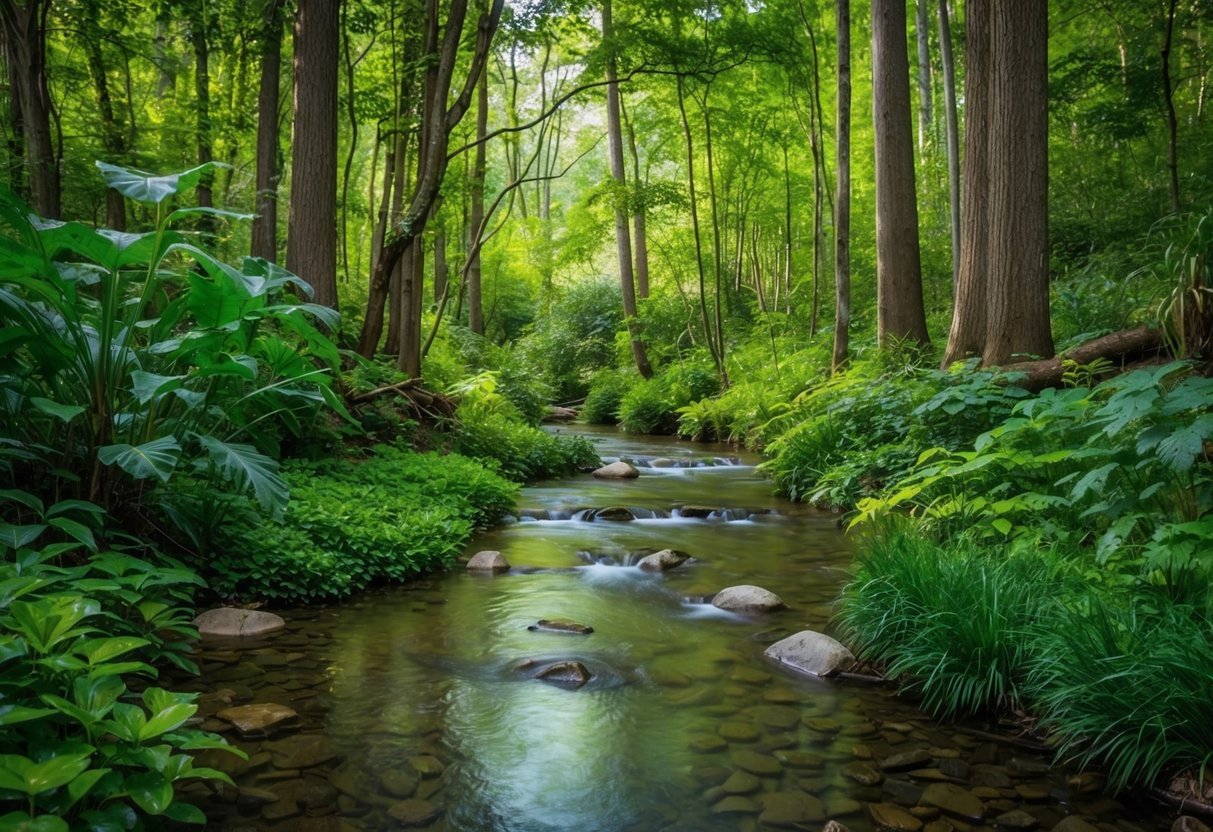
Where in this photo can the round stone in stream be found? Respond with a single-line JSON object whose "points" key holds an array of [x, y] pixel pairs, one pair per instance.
{"points": [[790, 809], [1016, 819], [906, 760], [414, 812], [257, 720], [755, 763], [566, 674], [735, 805], [231, 621], [561, 625], [748, 598], [800, 759], [739, 731], [954, 800], [663, 561], [488, 561], [617, 471], [865, 774], [741, 782], [300, 751], [887, 816]]}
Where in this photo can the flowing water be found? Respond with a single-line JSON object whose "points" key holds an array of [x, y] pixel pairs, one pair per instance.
{"points": [[419, 704]]}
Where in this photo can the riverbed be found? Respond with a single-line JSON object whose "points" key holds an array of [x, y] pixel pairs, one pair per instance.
{"points": [[419, 705]]}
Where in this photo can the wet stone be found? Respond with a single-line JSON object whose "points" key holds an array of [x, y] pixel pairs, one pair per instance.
{"points": [[250, 798], [561, 625], [840, 807], [1034, 792], [1187, 823], [821, 725], [741, 782], [903, 791], [750, 676], [739, 731], [776, 742], [309, 793], [1074, 823], [939, 826], [567, 674], [710, 775], [414, 812], [426, 766], [861, 752], [790, 809], [1086, 782], [735, 805], [954, 767], [859, 729], [930, 774], [1016, 819], [954, 800], [865, 774], [924, 812], [258, 720], [892, 818], [776, 717], [1021, 767], [280, 810], [708, 745], [399, 783], [800, 759], [756, 763], [301, 751], [905, 760], [782, 696], [988, 775]]}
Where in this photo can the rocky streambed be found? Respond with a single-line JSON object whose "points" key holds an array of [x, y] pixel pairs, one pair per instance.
{"points": [[426, 706]]}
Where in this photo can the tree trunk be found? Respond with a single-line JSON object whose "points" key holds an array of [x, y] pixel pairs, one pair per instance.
{"points": [[623, 243], [953, 138], [718, 294], [922, 27], [968, 332], [476, 213], [1119, 348], [900, 313], [111, 132], [440, 266], [842, 195], [312, 227], [640, 237], [199, 24], [1018, 313], [25, 33], [265, 224], [1168, 92]]}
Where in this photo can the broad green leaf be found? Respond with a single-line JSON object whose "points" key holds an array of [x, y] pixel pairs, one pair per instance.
{"points": [[246, 468], [21, 822], [1002, 526], [100, 650], [150, 188], [55, 772], [156, 458], [16, 537], [76, 530], [148, 386], [12, 714], [25, 498], [63, 412], [47, 621], [185, 813], [64, 506], [150, 791], [202, 210], [83, 784]]}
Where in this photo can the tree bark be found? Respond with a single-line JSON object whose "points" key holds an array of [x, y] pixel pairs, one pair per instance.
{"points": [[111, 131], [1168, 92], [718, 293], [968, 331], [199, 37], [1018, 260], [265, 223], [440, 266], [922, 27], [476, 212], [640, 238], [1118, 347], [623, 243], [842, 195], [952, 132], [312, 226], [25, 32], [900, 314]]}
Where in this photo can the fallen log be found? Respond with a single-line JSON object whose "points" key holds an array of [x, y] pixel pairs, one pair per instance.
{"points": [[1120, 348], [399, 387]]}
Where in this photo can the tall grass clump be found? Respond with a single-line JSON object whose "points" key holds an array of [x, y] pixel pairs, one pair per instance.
{"points": [[956, 622], [1130, 685]]}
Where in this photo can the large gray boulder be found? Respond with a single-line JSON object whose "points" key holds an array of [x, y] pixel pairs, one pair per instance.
{"points": [[747, 598], [663, 561], [811, 652], [233, 621], [617, 471], [488, 561]]}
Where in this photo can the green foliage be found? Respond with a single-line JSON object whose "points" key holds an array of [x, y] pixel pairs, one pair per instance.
{"points": [[1186, 267], [651, 405], [954, 621], [146, 355], [82, 749], [352, 523], [488, 428], [575, 338], [607, 389]]}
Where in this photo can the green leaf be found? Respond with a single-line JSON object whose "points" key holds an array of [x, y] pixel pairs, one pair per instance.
{"points": [[25, 498], [150, 791], [57, 771], [63, 412], [185, 813], [246, 468], [101, 650], [13, 714], [150, 188], [75, 530], [156, 458], [148, 386], [16, 537], [166, 720], [21, 822], [83, 784]]}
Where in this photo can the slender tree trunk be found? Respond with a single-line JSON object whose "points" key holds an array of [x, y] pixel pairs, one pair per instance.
{"points": [[312, 226], [111, 131], [25, 32], [402, 179], [922, 27], [623, 243], [1168, 91], [440, 266], [898, 268], [15, 138], [265, 224], [716, 260], [968, 332], [476, 214], [1018, 264], [166, 78], [199, 36], [953, 138], [639, 232], [842, 195]]}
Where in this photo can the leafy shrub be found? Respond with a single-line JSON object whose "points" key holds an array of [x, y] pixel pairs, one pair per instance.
{"points": [[651, 406], [607, 389], [81, 749], [574, 338], [352, 523], [954, 621]]}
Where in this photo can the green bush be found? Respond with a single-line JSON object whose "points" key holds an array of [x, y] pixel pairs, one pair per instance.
{"points": [[81, 749], [352, 523], [954, 621], [652, 405], [607, 389]]}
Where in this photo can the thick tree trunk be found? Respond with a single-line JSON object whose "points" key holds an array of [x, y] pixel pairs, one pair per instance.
{"points": [[25, 33], [968, 332], [312, 229], [1018, 322], [476, 212], [623, 243], [952, 132], [265, 224], [899, 304], [922, 26], [842, 195]]}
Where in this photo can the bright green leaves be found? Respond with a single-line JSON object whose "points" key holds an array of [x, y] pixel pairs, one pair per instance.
{"points": [[245, 468], [21, 774], [156, 458], [150, 188]]}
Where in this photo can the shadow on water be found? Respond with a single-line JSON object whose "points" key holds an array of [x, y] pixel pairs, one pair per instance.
{"points": [[427, 700]]}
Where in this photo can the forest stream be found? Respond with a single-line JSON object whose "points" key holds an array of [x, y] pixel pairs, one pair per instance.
{"points": [[418, 705]]}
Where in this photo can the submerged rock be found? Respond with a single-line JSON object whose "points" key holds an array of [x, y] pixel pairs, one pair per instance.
{"points": [[572, 674], [811, 652], [232, 621], [697, 512], [617, 471], [561, 625], [790, 809], [488, 561], [888, 816], [747, 598], [954, 800], [663, 561], [614, 513], [257, 720], [413, 812]]}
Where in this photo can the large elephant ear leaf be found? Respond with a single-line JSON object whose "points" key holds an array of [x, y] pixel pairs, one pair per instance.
{"points": [[149, 188], [156, 458], [245, 467]]}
